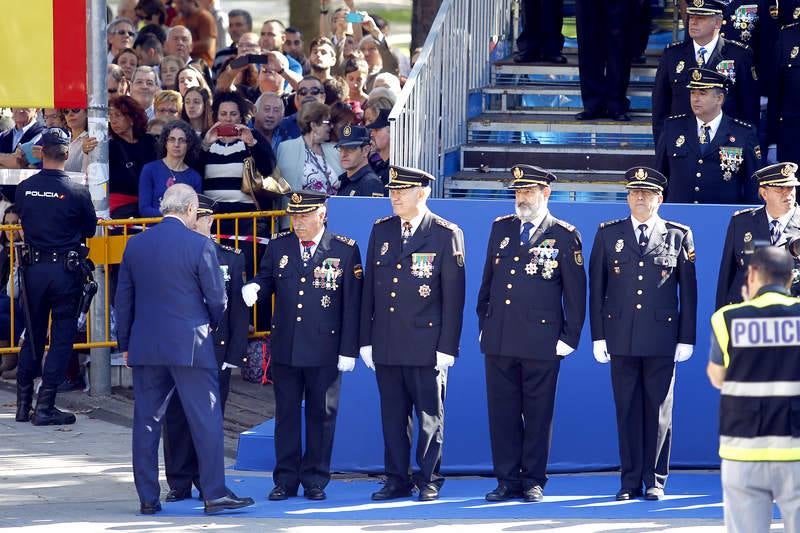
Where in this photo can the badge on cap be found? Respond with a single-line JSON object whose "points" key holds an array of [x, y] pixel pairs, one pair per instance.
{"points": [[698, 3], [296, 198], [786, 171], [347, 131], [640, 174], [392, 174], [518, 173], [697, 75]]}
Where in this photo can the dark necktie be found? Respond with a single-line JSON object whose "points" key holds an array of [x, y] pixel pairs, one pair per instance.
{"points": [[307, 249], [642, 236], [525, 235], [774, 231], [406, 232]]}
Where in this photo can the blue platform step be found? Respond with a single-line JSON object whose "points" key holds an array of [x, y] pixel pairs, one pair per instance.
{"points": [[256, 451]]}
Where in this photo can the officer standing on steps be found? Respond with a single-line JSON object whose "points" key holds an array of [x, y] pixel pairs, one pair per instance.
{"points": [[316, 277], [56, 215], [411, 317], [707, 156], [706, 49], [358, 178], [230, 345], [531, 307], [776, 222], [643, 307]]}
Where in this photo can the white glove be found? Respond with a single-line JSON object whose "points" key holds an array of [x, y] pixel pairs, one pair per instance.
{"points": [[444, 361], [772, 154], [250, 293], [563, 349], [601, 351], [366, 355], [683, 352], [346, 364], [226, 366], [480, 335]]}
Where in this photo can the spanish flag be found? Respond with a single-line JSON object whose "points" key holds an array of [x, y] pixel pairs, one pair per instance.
{"points": [[43, 53]]}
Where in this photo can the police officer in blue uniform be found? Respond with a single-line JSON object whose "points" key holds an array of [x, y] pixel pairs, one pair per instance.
{"points": [[776, 222], [707, 49], [783, 109], [707, 155], [358, 178], [230, 345], [643, 307], [316, 277], [379, 165], [56, 215], [411, 317], [541, 38], [531, 307]]}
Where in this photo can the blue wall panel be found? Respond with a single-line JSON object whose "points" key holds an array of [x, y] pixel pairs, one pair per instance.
{"points": [[584, 434]]}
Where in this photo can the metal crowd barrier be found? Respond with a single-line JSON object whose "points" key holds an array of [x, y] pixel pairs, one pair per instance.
{"points": [[106, 250]]}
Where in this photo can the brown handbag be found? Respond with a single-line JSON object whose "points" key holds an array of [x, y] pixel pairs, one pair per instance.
{"points": [[253, 182]]}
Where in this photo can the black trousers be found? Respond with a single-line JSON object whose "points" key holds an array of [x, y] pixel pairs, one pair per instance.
{"points": [[643, 393], [604, 53], [320, 386], [521, 396], [541, 30], [180, 456], [50, 288], [405, 390]]}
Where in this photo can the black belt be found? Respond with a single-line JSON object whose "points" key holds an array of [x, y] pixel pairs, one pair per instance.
{"points": [[44, 256]]}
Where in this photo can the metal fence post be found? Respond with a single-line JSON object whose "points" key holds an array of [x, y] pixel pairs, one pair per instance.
{"points": [[100, 374]]}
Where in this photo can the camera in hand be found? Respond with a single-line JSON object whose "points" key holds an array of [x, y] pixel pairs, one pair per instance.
{"points": [[227, 130], [249, 59]]}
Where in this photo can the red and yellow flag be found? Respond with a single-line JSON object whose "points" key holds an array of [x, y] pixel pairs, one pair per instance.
{"points": [[43, 53]]}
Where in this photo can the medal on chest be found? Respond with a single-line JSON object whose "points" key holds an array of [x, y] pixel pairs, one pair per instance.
{"points": [[543, 257], [730, 158], [326, 275], [422, 264]]}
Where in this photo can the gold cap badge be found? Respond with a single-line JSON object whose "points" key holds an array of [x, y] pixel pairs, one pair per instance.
{"points": [[696, 75], [392, 173], [786, 171], [347, 131], [296, 198], [640, 174], [518, 173], [698, 3]]}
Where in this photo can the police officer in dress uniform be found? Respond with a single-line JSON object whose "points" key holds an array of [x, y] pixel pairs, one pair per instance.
{"points": [[707, 49], [531, 307], [707, 155], [754, 359], [541, 38], [643, 306], [316, 278], [379, 165], [776, 222], [56, 215], [783, 110], [358, 178], [411, 317], [230, 344]]}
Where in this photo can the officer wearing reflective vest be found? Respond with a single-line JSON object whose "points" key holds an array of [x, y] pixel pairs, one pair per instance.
{"points": [[755, 361]]}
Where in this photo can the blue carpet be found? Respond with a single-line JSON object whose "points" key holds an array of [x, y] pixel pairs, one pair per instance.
{"points": [[689, 495]]}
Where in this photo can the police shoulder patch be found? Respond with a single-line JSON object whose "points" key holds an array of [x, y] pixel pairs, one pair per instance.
{"points": [[347, 240], [281, 234], [684, 227], [743, 123], [746, 210], [384, 219], [504, 217], [446, 224], [673, 117], [230, 249], [611, 222], [566, 225]]}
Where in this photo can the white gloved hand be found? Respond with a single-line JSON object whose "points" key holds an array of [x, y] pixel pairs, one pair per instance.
{"points": [[346, 364], [226, 366], [683, 352], [480, 335], [772, 154], [563, 349], [250, 293], [366, 355], [601, 351], [444, 361]]}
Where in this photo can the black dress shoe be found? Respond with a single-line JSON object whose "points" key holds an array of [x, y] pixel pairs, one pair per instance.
{"points": [[533, 494], [557, 59], [641, 60], [429, 492], [654, 494], [503, 493], [314, 493], [280, 492], [391, 492], [621, 117], [589, 115], [628, 494], [150, 508], [176, 495], [526, 57], [227, 503]]}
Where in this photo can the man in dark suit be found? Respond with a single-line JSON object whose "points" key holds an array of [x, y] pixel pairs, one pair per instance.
{"points": [[411, 317], [316, 278], [170, 297], [783, 128], [708, 156], [25, 129], [541, 38], [643, 307], [776, 222], [706, 49], [230, 345], [531, 307]]}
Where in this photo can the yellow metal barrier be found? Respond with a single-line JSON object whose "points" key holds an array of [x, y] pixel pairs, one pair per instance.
{"points": [[107, 248]]}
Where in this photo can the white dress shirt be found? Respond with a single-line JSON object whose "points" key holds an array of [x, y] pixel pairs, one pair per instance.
{"points": [[714, 125], [415, 222], [709, 49], [649, 223], [536, 223], [316, 239]]}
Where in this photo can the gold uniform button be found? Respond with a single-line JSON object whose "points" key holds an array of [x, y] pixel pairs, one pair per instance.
{"points": [[394, 280], [697, 189], [299, 306], [430, 324], [698, 174], [513, 272], [700, 161], [333, 331], [508, 286], [394, 294], [669, 319], [399, 266], [301, 293], [639, 292], [641, 263], [391, 309], [696, 202], [544, 321], [516, 259], [377, 262], [299, 319], [508, 302], [638, 306], [302, 280], [222, 343], [641, 277]]}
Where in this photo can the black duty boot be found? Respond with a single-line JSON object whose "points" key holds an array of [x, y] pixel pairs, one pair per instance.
{"points": [[46, 413], [24, 401]]}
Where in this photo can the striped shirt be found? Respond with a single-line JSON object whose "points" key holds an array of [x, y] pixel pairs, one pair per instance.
{"points": [[223, 176]]}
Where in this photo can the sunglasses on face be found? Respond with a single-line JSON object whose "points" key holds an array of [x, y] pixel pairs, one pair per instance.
{"points": [[76, 110], [170, 110], [124, 32], [313, 92], [112, 91]]}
